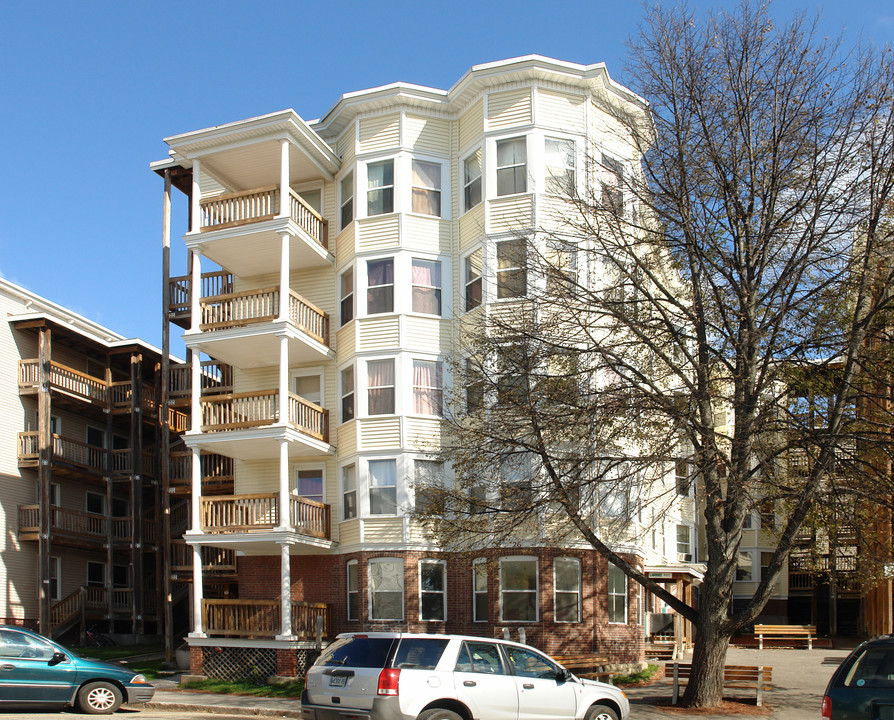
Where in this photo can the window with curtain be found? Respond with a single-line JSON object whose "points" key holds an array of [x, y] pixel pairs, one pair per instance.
{"points": [[426, 188], [386, 589], [512, 166], [383, 487], [380, 286], [353, 590], [428, 387], [518, 589], [433, 590], [567, 589], [347, 296], [426, 286], [347, 200], [472, 180], [347, 394], [349, 492], [512, 268], [309, 484], [617, 595], [472, 279], [380, 387], [559, 161], [428, 480], [479, 591], [380, 188]]}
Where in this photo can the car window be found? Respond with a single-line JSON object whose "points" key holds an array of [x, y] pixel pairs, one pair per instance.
{"points": [[873, 667], [362, 652], [419, 653], [530, 664], [18, 645], [480, 657]]}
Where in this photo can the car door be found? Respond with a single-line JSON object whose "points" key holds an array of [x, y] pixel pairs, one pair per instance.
{"points": [[483, 681], [26, 671], [541, 694]]}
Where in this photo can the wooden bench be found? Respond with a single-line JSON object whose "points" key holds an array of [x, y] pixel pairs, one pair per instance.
{"points": [[751, 677], [788, 632], [586, 665]]}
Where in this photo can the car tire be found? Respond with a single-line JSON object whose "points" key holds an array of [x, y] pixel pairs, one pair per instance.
{"points": [[439, 714], [99, 698], [601, 712]]}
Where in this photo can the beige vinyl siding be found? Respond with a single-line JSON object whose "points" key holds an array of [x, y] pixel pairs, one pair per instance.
{"points": [[345, 337], [561, 110], [510, 214], [378, 233], [378, 333], [427, 135], [418, 535], [471, 227], [556, 214], [471, 125], [344, 243], [424, 433], [256, 379], [344, 146], [429, 234], [427, 333], [346, 436], [379, 133], [383, 530], [257, 476], [378, 433], [349, 531], [509, 109]]}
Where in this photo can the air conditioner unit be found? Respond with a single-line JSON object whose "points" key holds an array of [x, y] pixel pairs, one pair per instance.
{"points": [[684, 557]]}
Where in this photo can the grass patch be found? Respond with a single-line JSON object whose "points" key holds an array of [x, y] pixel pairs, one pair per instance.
{"points": [[246, 687], [114, 652], [640, 678]]}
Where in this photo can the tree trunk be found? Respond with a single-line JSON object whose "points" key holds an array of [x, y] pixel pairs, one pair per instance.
{"points": [[705, 687]]}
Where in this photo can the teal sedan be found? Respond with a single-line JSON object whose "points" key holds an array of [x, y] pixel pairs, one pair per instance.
{"points": [[862, 688], [35, 670]]}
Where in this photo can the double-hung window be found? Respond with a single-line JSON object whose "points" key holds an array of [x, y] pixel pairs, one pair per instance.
{"points": [[512, 271], [472, 180], [347, 296], [559, 162], [684, 545], [386, 589], [353, 590], [617, 595], [347, 200], [426, 286], [347, 394], [309, 484], [512, 166], [349, 492], [745, 567], [380, 387], [380, 286], [433, 590], [567, 589], [518, 589], [383, 487], [479, 591], [380, 188], [428, 387], [428, 483], [472, 279], [612, 180], [426, 188]]}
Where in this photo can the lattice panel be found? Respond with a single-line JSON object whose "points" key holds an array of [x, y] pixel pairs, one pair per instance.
{"points": [[304, 659], [229, 663]]}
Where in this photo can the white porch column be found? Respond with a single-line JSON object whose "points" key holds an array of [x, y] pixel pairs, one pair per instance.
{"points": [[284, 201], [284, 299], [195, 292], [285, 611], [195, 521], [283, 380], [195, 208], [285, 520], [195, 392], [197, 595]]}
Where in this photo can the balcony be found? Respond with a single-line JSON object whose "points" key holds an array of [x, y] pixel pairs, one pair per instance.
{"points": [[97, 603], [216, 378], [218, 474], [261, 618], [244, 229], [75, 528], [217, 563], [78, 459], [228, 514]]}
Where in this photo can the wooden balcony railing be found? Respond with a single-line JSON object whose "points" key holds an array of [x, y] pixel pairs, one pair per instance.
{"points": [[237, 309], [260, 511], [309, 318], [308, 219], [74, 523], [72, 452], [217, 378], [237, 411], [261, 618], [308, 417], [83, 386], [180, 290], [216, 469], [214, 560]]}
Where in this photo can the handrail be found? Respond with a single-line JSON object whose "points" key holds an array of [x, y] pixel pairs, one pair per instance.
{"points": [[230, 411], [236, 309], [308, 219], [260, 511], [239, 208], [261, 618], [65, 378], [308, 417], [308, 317]]}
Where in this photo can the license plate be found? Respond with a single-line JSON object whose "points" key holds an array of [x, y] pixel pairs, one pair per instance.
{"points": [[337, 680]]}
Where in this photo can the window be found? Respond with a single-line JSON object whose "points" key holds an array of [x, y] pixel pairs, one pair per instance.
{"points": [[96, 503], [748, 521], [472, 279], [428, 479], [480, 657], [309, 484], [383, 487], [349, 491], [353, 591], [347, 200], [380, 384], [684, 546], [768, 514], [347, 394], [55, 590], [380, 286], [426, 286], [308, 387], [512, 167], [386, 589], [766, 559], [433, 590], [472, 180], [567, 589], [515, 483], [617, 595], [744, 564], [559, 162], [612, 177], [682, 476], [530, 664], [477, 499], [561, 279], [55, 494], [96, 437], [428, 387], [380, 188], [347, 296], [512, 272], [120, 507], [96, 574], [479, 591], [518, 589], [474, 382], [121, 576], [426, 188]]}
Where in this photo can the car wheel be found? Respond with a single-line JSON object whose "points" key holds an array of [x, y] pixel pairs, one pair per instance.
{"points": [[601, 712], [98, 698], [439, 714]]}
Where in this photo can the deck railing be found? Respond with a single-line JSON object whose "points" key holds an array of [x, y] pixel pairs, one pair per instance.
{"points": [[310, 517], [217, 377], [308, 219], [308, 417], [73, 381], [260, 511], [74, 523], [237, 309], [214, 560], [261, 618], [309, 318], [236, 411], [72, 452], [180, 289], [239, 208], [216, 469]]}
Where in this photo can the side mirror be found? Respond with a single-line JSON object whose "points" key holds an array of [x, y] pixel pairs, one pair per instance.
{"points": [[561, 675], [57, 658]]}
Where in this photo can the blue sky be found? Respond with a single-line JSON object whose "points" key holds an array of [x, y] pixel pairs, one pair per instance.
{"points": [[89, 89]]}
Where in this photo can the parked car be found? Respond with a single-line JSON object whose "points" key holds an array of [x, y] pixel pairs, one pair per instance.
{"points": [[36, 670], [863, 685], [404, 676]]}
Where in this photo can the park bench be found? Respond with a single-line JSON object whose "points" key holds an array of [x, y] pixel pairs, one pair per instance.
{"points": [[585, 665], [751, 677], [789, 632]]}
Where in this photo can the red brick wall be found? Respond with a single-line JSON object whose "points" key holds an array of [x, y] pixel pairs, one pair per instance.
{"points": [[195, 660]]}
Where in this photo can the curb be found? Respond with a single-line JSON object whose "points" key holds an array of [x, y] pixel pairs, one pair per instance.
{"points": [[220, 709]]}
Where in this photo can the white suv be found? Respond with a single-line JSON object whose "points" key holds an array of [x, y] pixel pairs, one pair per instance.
{"points": [[403, 676]]}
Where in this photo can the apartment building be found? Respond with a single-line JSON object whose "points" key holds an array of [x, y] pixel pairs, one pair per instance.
{"points": [[330, 264], [80, 527]]}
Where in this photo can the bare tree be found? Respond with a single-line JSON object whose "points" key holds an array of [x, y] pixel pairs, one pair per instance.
{"points": [[741, 253]]}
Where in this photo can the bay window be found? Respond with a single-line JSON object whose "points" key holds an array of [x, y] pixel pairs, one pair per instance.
{"points": [[472, 279], [347, 394], [428, 387], [472, 180], [383, 487], [512, 166], [347, 296], [559, 161], [380, 188], [426, 286], [512, 272], [349, 492], [380, 286], [426, 188], [347, 200], [380, 387]]}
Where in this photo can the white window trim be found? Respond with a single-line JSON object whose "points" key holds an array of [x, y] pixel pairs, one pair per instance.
{"points": [[575, 168], [464, 184], [464, 280], [579, 590], [755, 570], [363, 179], [445, 186], [342, 491], [361, 385], [403, 594], [356, 565], [352, 269], [445, 267], [341, 199], [342, 394], [412, 385], [295, 468], [443, 593], [492, 164], [536, 590], [56, 561], [477, 563], [399, 492], [611, 594], [492, 294], [363, 277]]}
